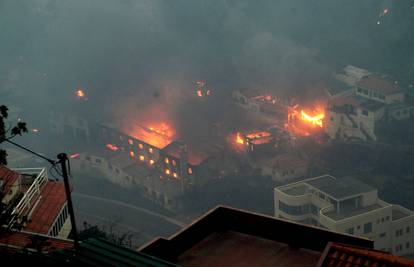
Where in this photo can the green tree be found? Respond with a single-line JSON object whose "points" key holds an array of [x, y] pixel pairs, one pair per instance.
{"points": [[8, 132]]}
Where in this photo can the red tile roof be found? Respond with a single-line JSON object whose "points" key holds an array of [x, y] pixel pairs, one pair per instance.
{"points": [[344, 255], [18, 240], [9, 177], [379, 84], [52, 200]]}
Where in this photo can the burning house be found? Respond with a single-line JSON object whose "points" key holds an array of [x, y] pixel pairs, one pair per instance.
{"points": [[263, 142]]}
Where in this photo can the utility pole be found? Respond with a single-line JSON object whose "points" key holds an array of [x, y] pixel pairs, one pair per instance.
{"points": [[63, 158]]}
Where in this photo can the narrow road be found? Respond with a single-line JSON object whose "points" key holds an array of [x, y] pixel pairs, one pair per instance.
{"points": [[130, 206]]}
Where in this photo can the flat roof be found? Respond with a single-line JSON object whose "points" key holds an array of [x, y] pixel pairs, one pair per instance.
{"points": [[231, 237], [339, 188], [236, 249], [350, 212]]}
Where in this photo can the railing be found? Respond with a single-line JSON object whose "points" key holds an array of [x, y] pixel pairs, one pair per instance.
{"points": [[32, 194], [325, 220]]}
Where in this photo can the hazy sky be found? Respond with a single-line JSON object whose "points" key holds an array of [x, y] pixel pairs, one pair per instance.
{"points": [[115, 48]]}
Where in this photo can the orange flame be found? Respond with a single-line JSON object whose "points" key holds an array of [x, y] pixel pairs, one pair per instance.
{"points": [[199, 93], [316, 120], [239, 139], [112, 147], [80, 93], [74, 156]]}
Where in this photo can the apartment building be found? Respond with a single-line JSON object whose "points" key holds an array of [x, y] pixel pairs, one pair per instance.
{"points": [[349, 206], [353, 117], [379, 89]]}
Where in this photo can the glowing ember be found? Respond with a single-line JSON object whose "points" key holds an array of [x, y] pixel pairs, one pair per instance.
{"points": [[130, 141], [167, 171], [152, 162], [34, 130], [132, 154], [239, 139], [199, 93], [316, 120], [190, 171], [175, 175], [74, 156], [112, 147], [151, 150], [141, 158], [80, 93]]}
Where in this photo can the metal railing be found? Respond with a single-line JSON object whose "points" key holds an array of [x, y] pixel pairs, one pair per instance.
{"points": [[27, 203]]}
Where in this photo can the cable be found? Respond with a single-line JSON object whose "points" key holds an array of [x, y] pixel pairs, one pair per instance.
{"points": [[31, 151]]}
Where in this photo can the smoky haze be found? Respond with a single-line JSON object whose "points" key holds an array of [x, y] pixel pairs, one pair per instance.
{"points": [[129, 54]]}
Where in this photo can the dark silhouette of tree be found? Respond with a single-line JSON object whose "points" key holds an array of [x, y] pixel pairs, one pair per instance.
{"points": [[8, 132]]}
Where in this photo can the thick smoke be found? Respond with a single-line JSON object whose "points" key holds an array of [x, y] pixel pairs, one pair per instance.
{"points": [[129, 54]]}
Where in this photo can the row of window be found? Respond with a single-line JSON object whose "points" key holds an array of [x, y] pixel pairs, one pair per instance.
{"points": [[383, 219], [298, 210], [399, 247], [367, 228], [374, 94], [400, 232], [59, 222]]}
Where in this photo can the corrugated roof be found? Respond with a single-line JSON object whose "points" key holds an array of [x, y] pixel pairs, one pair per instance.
{"points": [[8, 177], [52, 200], [379, 84], [100, 252], [339, 187], [345, 255]]}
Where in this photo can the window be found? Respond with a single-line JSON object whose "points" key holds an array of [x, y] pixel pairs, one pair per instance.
{"points": [[365, 112], [98, 160], [359, 90], [88, 158], [387, 218], [332, 119], [293, 210], [358, 227], [151, 150], [382, 97], [382, 235], [140, 146], [367, 228], [350, 230], [407, 230]]}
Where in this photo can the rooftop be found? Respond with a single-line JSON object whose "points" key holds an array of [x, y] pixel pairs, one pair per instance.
{"points": [[351, 211], [345, 255], [21, 239], [399, 213], [8, 178], [52, 200], [339, 188], [231, 237], [239, 249], [376, 83], [356, 101]]}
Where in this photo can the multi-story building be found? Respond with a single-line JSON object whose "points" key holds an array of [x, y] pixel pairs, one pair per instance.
{"points": [[35, 203], [353, 117], [349, 206], [379, 89]]}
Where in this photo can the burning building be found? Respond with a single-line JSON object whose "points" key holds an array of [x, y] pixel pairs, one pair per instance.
{"points": [[262, 106], [262, 142]]}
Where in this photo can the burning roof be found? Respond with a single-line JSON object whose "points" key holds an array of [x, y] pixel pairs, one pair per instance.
{"points": [[157, 135]]}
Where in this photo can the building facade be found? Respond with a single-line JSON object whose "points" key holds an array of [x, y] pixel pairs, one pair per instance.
{"points": [[349, 206]]}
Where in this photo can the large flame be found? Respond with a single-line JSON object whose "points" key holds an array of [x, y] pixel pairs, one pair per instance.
{"points": [[156, 134], [316, 120], [239, 139]]}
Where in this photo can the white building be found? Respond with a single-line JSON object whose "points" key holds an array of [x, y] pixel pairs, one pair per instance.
{"points": [[349, 206], [353, 117], [379, 89]]}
